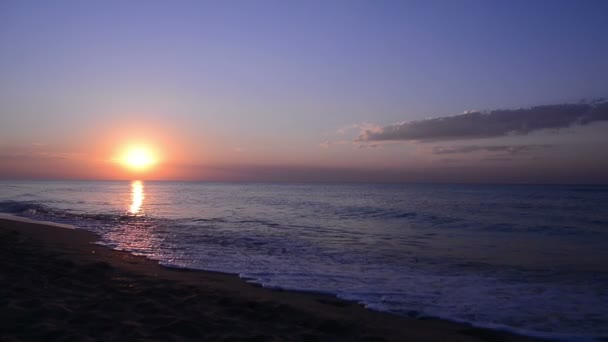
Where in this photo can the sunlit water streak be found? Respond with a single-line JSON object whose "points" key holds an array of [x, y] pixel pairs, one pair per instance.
{"points": [[137, 195], [529, 258]]}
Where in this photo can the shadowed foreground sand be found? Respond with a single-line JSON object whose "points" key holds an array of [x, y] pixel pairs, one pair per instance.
{"points": [[56, 285]]}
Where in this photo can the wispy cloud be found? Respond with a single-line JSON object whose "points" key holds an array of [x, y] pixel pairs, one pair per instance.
{"points": [[348, 129], [36, 151], [506, 149], [328, 143], [489, 124], [362, 126], [364, 146], [41, 155]]}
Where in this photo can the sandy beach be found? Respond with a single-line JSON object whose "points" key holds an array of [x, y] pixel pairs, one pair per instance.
{"points": [[57, 285]]}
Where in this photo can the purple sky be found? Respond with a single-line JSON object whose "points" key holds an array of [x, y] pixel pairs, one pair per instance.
{"points": [[307, 90]]}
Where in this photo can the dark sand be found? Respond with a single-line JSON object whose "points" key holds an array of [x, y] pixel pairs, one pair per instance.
{"points": [[56, 285]]}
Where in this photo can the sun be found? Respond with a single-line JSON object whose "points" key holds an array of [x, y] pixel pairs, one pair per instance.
{"points": [[139, 158]]}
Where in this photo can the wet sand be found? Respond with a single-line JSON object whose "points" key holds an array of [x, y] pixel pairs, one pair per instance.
{"points": [[56, 285]]}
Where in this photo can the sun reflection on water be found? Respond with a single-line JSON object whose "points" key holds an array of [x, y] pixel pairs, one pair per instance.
{"points": [[137, 198], [136, 232]]}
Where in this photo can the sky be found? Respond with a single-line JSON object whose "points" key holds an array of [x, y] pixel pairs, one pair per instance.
{"points": [[320, 91]]}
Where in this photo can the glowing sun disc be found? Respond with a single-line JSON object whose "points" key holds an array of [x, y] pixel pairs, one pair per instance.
{"points": [[138, 158]]}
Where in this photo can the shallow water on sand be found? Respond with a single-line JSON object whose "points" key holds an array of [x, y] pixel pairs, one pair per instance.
{"points": [[532, 259]]}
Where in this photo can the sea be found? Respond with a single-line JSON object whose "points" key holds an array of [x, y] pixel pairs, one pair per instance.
{"points": [[531, 259]]}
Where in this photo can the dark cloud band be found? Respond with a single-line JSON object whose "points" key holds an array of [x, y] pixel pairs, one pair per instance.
{"points": [[495, 123]]}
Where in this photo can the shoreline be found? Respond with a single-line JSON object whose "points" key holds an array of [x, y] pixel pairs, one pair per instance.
{"points": [[89, 289]]}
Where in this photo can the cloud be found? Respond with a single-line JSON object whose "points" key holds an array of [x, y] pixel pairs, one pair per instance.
{"points": [[328, 143], [507, 149], [363, 126], [41, 155], [363, 146], [35, 151], [325, 144], [489, 124]]}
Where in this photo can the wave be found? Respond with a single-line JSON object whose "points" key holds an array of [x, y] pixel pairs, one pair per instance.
{"points": [[37, 210], [357, 212], [15, 207]]}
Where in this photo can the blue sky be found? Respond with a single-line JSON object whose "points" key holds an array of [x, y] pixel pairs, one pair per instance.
{"points": [[274, 80]]}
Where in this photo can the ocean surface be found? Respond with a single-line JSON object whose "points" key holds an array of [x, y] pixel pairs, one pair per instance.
{"points": [[531, 259]]}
